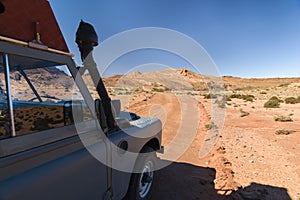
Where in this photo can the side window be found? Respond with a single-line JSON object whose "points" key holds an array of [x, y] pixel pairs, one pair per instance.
{"points": [[4, 113], [43, 96], [39, 98]]}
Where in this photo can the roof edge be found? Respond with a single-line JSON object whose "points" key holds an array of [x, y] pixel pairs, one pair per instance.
{"points": [[40, 47]]}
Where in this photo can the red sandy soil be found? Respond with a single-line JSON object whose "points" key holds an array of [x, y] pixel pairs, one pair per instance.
{"points": [[249, 160]]}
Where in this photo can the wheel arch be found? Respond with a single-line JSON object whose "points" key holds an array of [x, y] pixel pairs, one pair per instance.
{"points": [[153, 144]]}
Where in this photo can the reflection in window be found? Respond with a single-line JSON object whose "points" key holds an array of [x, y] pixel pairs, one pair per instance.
{"points": [[90, 84], [43, 95], [5, 127]]}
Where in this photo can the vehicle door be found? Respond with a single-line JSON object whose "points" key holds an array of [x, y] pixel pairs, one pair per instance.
{"points": [[41, 153]]}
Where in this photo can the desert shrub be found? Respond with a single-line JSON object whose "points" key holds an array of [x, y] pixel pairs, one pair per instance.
{"points": [[276, 99], [247, 97], [263, 92], [273, 102], [247, 88], [284, 132], [235, 96], [292, 100], [210, 126], [244, 113], [284, 85], [210, 96], [159, 89], [281, 118]]}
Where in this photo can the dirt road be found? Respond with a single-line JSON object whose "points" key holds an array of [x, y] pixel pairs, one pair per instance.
{"points": [[249, 160]]}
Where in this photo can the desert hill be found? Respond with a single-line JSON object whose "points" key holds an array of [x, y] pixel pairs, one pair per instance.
{"points": [[58, 82], [169, 78], [248, 83], [47, 82], [184, 79]]}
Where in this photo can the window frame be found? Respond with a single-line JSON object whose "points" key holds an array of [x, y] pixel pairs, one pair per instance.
{"points": [[16, 144]]}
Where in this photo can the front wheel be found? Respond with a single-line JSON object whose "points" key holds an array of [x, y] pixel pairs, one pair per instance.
{"points": [[141, 183]]}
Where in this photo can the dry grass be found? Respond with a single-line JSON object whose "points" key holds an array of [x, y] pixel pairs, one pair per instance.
{"points": [[211, 126], [245, 97], [281, 118], [292, 100], [284, 132]]}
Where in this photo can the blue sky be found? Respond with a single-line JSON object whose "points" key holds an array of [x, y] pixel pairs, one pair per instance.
{"points": [[246, 38]]}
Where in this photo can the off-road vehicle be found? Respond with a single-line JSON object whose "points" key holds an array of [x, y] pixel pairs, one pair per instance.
{"points": [[59, 137]]}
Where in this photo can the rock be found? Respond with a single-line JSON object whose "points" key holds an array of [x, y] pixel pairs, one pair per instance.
{"points": [[227, 164], [221, 192], [221, 150]]}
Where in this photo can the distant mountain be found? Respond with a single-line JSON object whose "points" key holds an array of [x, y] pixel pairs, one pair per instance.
{"points": [[169, 78], [237, 83], [47, 81], [184, 79], [56, 82]]}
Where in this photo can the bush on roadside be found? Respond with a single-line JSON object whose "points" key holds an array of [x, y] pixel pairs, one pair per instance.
{"points": [[210, 96], [159, 89], [276, 99], [235, 96], [292, 100], [210, 126], [284, 132], [281, 118], [247, 97], [273, 102]]}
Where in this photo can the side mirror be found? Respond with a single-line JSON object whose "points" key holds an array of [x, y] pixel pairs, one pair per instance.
{"points": [[116, 107], [101, 115], [72, 108]]}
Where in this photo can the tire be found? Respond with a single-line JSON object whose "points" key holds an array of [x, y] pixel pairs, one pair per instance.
{"points": [[141, 184]]}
